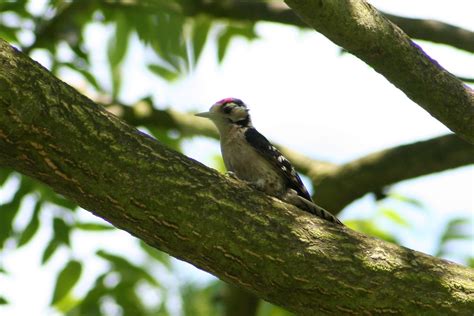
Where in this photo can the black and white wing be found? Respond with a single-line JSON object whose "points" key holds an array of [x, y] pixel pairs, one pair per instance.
{"points": [[273, 155]]}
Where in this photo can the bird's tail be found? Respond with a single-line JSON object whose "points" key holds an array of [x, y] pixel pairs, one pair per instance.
{"points": [[308, 206]]}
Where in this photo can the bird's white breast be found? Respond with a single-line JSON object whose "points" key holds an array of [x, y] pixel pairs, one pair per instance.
{"points": [[248, 165]]}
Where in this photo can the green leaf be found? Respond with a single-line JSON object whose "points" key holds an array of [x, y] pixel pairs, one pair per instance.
{"points": [[201, 28], [61, 231], [32, 226], [3, 301], [156, 254], [9, 210], [267, 309], [368, 227], [200, 300], [164, 72], [116, 50], [454, 230], [407, 199], [94, 227], [86, 74], [470, 262], [128, 270], [118, 44], [49, 250], [9, 33], [66, 280], [126, 297], [90, 305], [4, 175], [247, 31], [394, 216]]}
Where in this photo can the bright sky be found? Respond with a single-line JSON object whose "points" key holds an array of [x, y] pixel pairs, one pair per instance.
{"points": [[303, 94]]}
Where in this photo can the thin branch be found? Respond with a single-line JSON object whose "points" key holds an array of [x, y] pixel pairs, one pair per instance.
{"points": [[427, 30], [435, 31], [52, 133], [466, 79], [363, 31], [336, 188]]}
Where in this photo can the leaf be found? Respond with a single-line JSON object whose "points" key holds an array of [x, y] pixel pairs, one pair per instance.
{"points": [[470, 262], [200, 300], [368, 227], [167, 137], [9, 33], [4, 175], [3, 301], [246, 31], [126, 297], [86, 74], [66, 280], [90, 305], [118, 43], [394, 216], [61, 231], [32, 227], [156, 254], [407, 199], [49, 250], [164, 72], [201, 28], [128, 270], [267, 309], [9, 210], [454, 230], [93, 227], [7, 214], [116, 50]]}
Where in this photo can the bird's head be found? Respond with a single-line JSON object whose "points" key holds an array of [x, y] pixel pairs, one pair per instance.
{"points": [[228, 111]]}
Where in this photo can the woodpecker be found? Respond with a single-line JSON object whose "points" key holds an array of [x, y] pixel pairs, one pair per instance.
{"points": [[250, 157]]}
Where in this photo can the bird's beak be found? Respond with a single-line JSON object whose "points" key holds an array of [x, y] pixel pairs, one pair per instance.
{"points": [[204, 114]]}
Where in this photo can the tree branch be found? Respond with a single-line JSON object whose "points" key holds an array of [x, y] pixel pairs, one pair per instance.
{"points": [[435, 31], [364, 32], [427, 30], [52, 133], [338, 187]]}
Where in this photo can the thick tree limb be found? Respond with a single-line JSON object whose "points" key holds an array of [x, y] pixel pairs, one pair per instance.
{"points": [[336, 186], [364, 32], [427, 30], [52, 133]]}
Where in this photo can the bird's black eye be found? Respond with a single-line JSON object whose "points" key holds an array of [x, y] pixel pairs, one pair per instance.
{"points": [[227, 109]]}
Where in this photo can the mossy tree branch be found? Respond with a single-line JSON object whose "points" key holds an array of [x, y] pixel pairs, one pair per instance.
{"points": [[52, 133], [363, 31]]}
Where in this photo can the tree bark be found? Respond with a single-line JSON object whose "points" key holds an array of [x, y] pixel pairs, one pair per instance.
{"points": [[363, 31], [52, 133]]}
